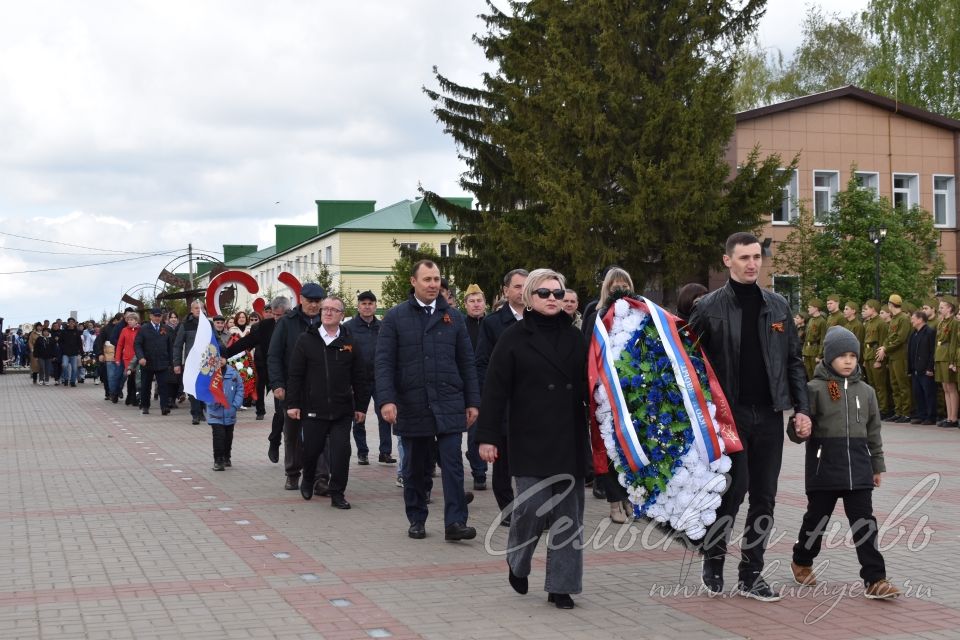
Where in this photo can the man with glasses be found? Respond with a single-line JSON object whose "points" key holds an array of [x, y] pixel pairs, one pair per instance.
{"points": [[285, 335], [427, 389], [326, 391]]}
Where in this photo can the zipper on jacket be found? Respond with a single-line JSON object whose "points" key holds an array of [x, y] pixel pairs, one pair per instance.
{"points": [[819, 449], [857, 398], [846, 404]]}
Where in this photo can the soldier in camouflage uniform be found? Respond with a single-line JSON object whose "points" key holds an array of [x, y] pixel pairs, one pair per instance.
{"points": [[875, 334], [816, 329], [894, 351]]}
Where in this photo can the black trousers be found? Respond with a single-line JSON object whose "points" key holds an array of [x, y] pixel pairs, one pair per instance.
{"points": [[276, 429], [314, 435], [222, 441], [502, 481], [146, 387], [924, 397], [261, 390], [611, 485], [858, 505], [131, 398], [755, 470]]}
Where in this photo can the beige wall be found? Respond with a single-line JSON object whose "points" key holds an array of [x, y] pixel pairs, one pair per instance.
{"points": [[833, 135]]}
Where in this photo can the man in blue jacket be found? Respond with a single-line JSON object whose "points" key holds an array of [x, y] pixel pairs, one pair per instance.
{"points": [[427, 389]]}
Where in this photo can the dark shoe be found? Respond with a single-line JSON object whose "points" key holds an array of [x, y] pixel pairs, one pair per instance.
{"points": [[145, 412], [195, 421], [902, 420], [561, 600], [505, 522], [928, 423], [306, 490], [164, 412], [363, 460], [273, 453], [227, 463], [479, 485], [948, 424], [520, 585], [759, 590], [915, 421], [114, 399], [458, 531], [886, 417], [598, 492], [417, 531], [72, 384], [711, 575], [468, 496], [339, 502], [322, 486], [386, 458], [292, 484], [218, 465], [260, 416]]}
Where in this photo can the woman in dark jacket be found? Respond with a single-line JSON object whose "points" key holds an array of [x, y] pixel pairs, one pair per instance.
{"points": [[606, 483], [537, 378]]}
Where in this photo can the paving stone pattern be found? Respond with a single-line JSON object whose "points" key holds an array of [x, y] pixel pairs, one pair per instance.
{"points": [[113, 525]]}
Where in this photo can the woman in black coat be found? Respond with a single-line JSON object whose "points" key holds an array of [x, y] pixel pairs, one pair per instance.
{"points": [[537, 378]]}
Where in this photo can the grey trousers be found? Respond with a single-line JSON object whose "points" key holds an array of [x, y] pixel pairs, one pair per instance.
{"points": [[554, 504]]}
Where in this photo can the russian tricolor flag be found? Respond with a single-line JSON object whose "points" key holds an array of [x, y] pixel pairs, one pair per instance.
{"points": [[201, 370]]}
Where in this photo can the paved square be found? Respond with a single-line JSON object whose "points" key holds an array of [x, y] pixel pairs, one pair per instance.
{"points": [[114, 526]]}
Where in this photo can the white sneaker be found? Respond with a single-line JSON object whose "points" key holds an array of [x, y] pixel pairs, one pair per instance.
{"points": [[399, 482]]}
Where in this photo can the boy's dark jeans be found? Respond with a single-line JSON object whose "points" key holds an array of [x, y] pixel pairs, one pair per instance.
{"points": [[858, 505], [222, 441], [755, 470]]}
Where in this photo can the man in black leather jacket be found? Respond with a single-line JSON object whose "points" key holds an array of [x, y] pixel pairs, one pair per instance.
{"points": [[750, 339]]}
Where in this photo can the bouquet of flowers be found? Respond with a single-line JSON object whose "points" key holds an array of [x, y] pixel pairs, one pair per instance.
{"points": [[243, 363], [660, 416]]}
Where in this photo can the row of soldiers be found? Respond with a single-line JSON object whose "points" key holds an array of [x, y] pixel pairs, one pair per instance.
{"points": [[884, 334]]}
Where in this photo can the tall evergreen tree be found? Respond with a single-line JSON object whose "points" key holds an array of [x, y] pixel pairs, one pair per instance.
{"points": [[601, 138]]}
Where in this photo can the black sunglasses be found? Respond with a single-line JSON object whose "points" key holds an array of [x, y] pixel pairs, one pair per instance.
{"points": [[544, 293]]}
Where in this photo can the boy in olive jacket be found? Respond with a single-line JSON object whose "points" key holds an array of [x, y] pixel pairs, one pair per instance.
{"points": [[844, 460]]}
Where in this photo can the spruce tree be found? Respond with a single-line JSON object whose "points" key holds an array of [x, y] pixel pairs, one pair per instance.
{"points": [[601, 138]]}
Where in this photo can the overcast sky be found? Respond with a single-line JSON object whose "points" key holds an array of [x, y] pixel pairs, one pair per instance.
{"points": [[131, 128]]}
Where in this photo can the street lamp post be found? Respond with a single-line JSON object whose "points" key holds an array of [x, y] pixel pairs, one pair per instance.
{"points": [[877, 236]]}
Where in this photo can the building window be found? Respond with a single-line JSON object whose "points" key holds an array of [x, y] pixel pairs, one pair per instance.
{"points": [[328, 255], [905, 190], [944, 205], [448, 250], [826, 184], [410, 246], [868, 181], [947, 286], [789, 288], [788, 211]]}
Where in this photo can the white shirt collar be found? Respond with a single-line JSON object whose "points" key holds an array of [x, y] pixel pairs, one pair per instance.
{"points": [[432, 305], [327, 338], [518, 316]]}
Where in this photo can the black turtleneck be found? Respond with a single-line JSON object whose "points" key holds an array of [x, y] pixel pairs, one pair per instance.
{"points": [[550, 326], [754, 383]]}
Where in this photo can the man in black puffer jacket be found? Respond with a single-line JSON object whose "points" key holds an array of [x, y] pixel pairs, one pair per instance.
{"points": [[285, 335], [326, 392], [71, 346]]}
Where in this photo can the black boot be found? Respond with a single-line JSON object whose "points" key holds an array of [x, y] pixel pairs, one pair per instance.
{"points": [[218, 464]]}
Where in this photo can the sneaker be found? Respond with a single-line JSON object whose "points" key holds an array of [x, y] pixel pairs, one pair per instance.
{"points": [[711, 575], [759, 590], [399, 482], [881, 590], [803, 575]]}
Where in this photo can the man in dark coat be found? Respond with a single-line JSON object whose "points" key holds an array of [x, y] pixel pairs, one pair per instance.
{"points": [[71, 346], [259, 340], [920, 351], [365, 329], [152, 346], [475, 305], [327, 392], [285, 335], [427, 389], [750, 339], [490, 331], [186, 334]]}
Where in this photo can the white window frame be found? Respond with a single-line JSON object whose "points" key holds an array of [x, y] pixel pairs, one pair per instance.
{"points": [[832, 190], [949, 195], [791, 193], [412, 246], [913, 191], [328, 254], [871, 181]]}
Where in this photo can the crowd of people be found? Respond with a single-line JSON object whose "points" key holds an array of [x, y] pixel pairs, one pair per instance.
{"points": [[512, 376]]}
